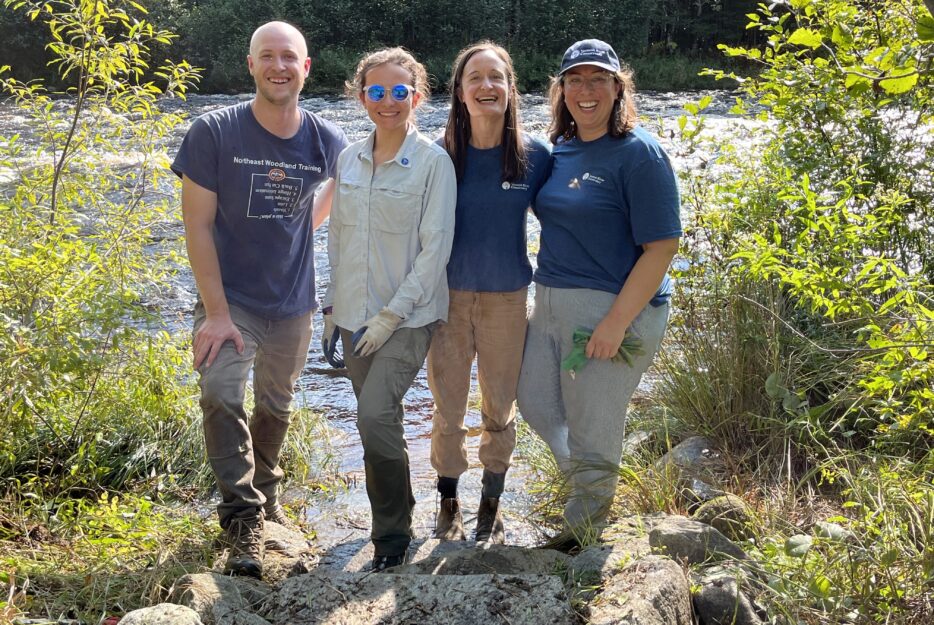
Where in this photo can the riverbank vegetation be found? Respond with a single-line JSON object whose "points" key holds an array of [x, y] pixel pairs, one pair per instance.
{"points": [[98, 402], [802, 341], [801, 344], [666, 41]]}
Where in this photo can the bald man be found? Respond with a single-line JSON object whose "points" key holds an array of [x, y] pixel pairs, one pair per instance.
{"points": [[249, 174]]}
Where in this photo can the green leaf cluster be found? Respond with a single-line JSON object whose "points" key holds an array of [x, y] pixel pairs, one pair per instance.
{"points": [[577, 357]]}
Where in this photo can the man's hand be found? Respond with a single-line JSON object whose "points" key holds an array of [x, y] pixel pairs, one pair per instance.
{"points": [[211, 335], [606, 338], [378, 330]]}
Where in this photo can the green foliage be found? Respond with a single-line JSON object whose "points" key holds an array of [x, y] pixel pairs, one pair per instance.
{"points": [[666, 38], [828, 231], [871, 560], [96, 556], [805, 304], [91, 391]]}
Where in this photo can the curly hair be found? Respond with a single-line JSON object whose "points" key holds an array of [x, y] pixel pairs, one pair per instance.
{"points": [[397, 56]]}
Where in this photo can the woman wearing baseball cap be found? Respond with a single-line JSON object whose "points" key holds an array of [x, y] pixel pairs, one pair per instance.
{"points": [[610, 216]]}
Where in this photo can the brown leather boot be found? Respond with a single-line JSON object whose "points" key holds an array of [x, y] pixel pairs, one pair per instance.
{"points": [[245, 540], [450, 524], [490, 526]]}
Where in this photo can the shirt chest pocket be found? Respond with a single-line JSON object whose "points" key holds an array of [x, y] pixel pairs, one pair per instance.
{"points": [[396, 208]]}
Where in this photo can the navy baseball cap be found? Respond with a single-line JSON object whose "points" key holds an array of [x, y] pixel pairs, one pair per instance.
{"points": [[590, 52]]}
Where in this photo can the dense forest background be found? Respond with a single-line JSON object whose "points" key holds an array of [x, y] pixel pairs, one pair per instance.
{"points": [[666, 41]]}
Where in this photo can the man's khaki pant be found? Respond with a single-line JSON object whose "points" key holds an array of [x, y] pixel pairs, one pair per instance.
{"points": [[244, 454], [380, 380], [490, 326]]}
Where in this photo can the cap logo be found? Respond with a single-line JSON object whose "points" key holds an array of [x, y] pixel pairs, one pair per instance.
{"points": [[575, 54], [506, 186]]}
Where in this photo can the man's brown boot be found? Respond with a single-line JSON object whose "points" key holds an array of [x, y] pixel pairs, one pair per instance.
{"points": [[490, 526], [245, 540], [450, 525]]}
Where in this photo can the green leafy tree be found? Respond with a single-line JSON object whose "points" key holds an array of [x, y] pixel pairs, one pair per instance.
{"points": [[92, 390]]}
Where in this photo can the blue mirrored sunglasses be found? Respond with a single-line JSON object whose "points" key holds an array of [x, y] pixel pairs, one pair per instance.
{"points": [[399, 93]]}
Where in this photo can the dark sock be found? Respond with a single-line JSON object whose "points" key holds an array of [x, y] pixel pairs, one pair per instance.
{"points": [[447, 486], [493, 484]]}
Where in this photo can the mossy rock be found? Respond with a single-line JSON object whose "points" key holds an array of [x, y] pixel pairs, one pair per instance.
{"points": [[729, 514]]}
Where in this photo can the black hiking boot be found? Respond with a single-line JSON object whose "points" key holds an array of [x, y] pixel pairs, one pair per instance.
{"points": [[381, 563]]}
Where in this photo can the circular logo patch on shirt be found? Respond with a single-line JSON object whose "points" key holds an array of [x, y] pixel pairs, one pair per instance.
{"points": [[506, 186], [276, 175], [585, 176], [405, 161]]}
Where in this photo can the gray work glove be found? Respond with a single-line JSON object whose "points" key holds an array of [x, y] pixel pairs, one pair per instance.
{"points": [[376, 331]]}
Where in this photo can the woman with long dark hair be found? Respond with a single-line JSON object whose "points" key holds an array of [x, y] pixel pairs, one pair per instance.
{"points": [[499, 170]]}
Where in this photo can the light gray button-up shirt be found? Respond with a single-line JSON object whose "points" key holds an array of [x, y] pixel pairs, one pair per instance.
{"points": [[390, 233]]}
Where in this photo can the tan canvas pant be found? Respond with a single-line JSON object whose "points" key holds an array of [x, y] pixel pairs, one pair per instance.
{"points": [[490, 326], [244, 454]]}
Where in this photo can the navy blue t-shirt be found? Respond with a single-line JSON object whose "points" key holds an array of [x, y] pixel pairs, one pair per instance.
{"points": [[605, 199], [489, 251], [265, 186]]}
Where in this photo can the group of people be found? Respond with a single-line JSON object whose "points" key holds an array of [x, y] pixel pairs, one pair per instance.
{"points": [[428, 259]]}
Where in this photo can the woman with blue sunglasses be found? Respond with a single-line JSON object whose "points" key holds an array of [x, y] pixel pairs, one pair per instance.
{"points": [[499, 171], [389, 238]]}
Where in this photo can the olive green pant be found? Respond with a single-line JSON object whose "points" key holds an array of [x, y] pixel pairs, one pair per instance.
{"points": [[380, 380], [244, 453]]}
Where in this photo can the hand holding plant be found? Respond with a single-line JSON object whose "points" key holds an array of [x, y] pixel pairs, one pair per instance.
{"points": [[575, 361]]}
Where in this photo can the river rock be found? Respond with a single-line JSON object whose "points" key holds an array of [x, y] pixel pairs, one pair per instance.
{"points": [[729, 514], [484, 559], [222, 600], [692, 541], [340, 598], [162, 614], [650, 591], [718, 600], [697, 467]]}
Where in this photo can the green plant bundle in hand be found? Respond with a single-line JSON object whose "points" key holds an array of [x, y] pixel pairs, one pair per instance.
{"points": [[575, 361]]}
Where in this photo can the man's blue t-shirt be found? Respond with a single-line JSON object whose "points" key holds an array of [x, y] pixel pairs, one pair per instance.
{"points": [[265, 186], [605, 199], [489, 251]]}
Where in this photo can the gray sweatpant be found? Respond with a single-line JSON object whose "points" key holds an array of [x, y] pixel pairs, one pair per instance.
{"points": [[582, 418]]}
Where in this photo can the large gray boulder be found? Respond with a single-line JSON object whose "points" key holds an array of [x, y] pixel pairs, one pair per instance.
{"points": [[692, 541], [162, 614], [486, 559], [650, 591], [340, 598], [222, 600]]}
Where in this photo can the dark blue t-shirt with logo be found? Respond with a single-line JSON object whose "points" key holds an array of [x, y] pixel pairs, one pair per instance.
{"points": [[265, 186], [604, 200], [489, 251]]}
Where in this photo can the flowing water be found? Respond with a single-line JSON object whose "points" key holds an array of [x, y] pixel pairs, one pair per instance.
{"points": [[342, 520]]}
